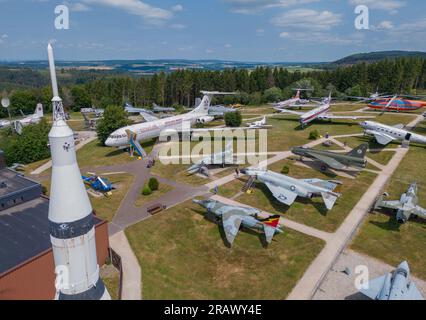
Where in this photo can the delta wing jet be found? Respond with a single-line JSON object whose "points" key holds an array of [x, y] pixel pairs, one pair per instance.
{"points": [[337, 161], [395, 285], [234, 217], [385, 134], [406, 206], [286, 189]]}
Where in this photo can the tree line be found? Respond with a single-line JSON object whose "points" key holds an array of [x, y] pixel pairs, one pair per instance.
{"points": [[263, 84]]}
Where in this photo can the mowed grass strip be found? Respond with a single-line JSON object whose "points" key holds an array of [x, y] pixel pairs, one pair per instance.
{"points": [[311, 212], [183, 256], [382, 237]]}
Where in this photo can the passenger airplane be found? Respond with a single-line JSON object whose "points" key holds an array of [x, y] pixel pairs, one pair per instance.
{"points": [[385, 134], [321, 113], [154, 126], [26, 120], [293, 102]]}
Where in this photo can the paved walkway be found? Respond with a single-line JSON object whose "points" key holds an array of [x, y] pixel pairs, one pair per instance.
{"points": [[132, 274]]}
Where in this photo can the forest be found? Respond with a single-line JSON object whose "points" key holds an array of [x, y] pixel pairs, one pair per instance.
{"points": [[84, 89]]}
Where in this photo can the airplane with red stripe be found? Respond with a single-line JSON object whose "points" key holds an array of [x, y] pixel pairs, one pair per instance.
{"points": [[322, 112]]}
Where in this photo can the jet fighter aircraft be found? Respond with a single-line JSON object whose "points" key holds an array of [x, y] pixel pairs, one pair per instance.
{"points": [[234, 217], [337, 161], [406, 206], [286, 189], [396, 285], [220, 158]]}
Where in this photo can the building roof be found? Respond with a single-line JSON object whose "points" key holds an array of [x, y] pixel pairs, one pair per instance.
{"points": [[13, 182]]}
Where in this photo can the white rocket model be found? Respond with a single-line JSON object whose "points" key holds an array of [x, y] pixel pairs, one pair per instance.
{"points": [[71, 221]]}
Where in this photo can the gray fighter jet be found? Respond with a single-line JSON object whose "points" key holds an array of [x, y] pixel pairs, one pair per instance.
{"points": [[221, 158], [157, 109], [396, 285], [234, 217], [406, 206], [286, 189], [338, 161]]}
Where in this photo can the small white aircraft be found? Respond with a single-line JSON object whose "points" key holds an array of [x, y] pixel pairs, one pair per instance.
{"points": [[321, 112], [385, 134], [262, 124], [26, 120]]}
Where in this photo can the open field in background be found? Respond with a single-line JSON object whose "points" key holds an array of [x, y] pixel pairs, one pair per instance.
{"points": [[106, 207], [311, 212], [382, 237], [162, 190], [183, 256]]}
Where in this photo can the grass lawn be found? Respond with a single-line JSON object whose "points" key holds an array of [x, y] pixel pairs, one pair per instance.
{"points": [[111, 278], [183, 256], [382, 237], [94, 154], [77, 125], [311, 212], [106, 207], [162, 190]]}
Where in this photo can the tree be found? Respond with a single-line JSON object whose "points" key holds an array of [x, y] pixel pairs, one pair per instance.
{"points": [[233, 119], [30, 146], [314, 135], [153, 184], [146, 191], [273, 94], [81, 98], [114, 118], [285, 170]]}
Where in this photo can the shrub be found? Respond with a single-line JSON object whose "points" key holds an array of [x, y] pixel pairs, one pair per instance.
{"points": [[153, 184], [146, 191], [314, 135], [285, 170], [233, 119]]}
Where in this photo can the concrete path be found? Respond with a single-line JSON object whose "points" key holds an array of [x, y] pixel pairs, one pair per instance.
{"points": [[308, 284], [132, 275]]}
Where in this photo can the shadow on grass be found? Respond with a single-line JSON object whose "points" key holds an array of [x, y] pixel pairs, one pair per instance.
{"points": [[210, 217]]}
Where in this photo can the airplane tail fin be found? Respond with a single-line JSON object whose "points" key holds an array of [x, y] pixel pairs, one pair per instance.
{"points": [[329, 200], [203, 107], [270, 226], [297, 95], [272, 221], [359, 152], [39, 111]]}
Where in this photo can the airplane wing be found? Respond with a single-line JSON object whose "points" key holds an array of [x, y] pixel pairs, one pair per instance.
{"points": [[148, 117], [333, 163], [282, 195], [396, 204], [231, 225], [419, 211], [331, 116], [290, 111], [383, 138], [413, 293], [375, 287]]}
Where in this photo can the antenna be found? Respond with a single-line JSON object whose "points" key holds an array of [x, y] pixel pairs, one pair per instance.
{"points": [[58, 108]]}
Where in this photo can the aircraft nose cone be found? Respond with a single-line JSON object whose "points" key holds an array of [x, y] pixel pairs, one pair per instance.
{"points": [[404, 265], [109, 142]]}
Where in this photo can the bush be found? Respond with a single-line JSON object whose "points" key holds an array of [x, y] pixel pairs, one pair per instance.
{"points": [[146, 191], [285, 170], [273, 95], [233, 119], [153, 184], [114, 118], [314, 135]]}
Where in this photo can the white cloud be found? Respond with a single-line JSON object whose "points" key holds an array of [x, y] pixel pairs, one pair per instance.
{"points": [[228, 45], [208, 51], [178, 26], [256, 6], [136, 7], [323, 37], [77, 7], [387, 5], [385, 25], [177, 8], [4, 36], [307, 19]]}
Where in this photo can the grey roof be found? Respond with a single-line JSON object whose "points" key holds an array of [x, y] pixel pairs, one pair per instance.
{"points": [[11, 182], [24, 232]]}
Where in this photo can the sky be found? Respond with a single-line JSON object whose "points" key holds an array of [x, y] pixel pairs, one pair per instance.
{"points": [[238, 30]]}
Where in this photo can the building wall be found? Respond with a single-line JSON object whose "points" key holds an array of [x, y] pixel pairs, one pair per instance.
{"points": [[35, 279]]}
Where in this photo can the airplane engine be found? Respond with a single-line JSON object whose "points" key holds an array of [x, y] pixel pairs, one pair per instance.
{"points": [[205, 119]]}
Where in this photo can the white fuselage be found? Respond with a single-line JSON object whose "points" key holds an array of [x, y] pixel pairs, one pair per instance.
{"points": [[398, 134], [153, 129], [314, 114]]}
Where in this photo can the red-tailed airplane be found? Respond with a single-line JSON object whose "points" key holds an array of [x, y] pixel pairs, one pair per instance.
{"points": [[397, 104]]}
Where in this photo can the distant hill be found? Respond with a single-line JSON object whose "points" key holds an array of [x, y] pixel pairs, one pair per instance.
{"points": [[376, 56]]}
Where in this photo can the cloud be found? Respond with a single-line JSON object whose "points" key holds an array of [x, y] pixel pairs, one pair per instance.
{"points": [[385, 25], [178, 26], [323, 37], [307, 19], [136, 7], [77, 7], [387, 5], [208, 51], [228, 45], [256, 6], [177, 8]]}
